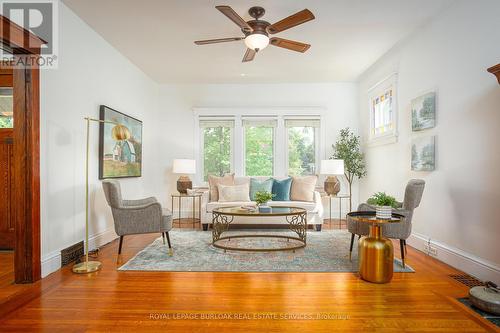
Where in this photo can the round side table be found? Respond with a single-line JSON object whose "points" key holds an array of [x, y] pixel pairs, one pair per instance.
{"points": [[375, 253], [196, 218]]}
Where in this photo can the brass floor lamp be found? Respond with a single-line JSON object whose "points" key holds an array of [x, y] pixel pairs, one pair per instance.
{"points": [[118, 133]]}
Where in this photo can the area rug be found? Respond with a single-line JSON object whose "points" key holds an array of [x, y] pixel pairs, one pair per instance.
{"points": [[326, 251]]}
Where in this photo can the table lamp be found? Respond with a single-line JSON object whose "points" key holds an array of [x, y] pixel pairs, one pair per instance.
{"points": [[184, 167], [332, 168]]}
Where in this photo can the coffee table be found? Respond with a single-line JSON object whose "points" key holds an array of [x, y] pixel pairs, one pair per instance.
{"points": [[296, 218]]}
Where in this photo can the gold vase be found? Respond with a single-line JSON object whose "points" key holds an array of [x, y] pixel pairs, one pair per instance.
{"points": [[376, 257]]}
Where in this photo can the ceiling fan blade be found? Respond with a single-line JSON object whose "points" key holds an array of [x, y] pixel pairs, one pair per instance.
{"points": [[218, 40], [291, 21], [233, 16], [289, 44], [249, 55]]}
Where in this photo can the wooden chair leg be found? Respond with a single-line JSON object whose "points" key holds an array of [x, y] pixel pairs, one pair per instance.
{"points": [[168, 240], [406, 250], [163, 237], [120, 245], [402, 246], [350, 248]]}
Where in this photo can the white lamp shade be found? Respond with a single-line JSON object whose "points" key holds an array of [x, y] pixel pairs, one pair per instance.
{"points": [[332, 167], [184, 166]]}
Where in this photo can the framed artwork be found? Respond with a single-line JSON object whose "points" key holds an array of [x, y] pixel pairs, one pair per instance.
{"points": [[119, 159], [423, 154], [423, 112]]}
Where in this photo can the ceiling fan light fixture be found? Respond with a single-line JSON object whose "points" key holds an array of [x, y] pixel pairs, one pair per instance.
{"points": [[257, 41]]}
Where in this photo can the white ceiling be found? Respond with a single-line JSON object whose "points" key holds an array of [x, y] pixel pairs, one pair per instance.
{"points": [[347, 37]]}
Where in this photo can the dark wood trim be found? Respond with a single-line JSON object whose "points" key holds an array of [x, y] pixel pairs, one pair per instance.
{"points": [[495, 70], [26, 187]]}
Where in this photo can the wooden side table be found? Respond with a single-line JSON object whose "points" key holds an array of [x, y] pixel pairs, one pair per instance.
{"points": [[196, 218]]}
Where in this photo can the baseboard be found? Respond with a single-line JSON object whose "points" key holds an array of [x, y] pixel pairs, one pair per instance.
{"points": [[52, 261], [466, 262]]}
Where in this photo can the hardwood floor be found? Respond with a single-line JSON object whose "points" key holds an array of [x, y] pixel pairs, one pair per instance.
{"points": [[160, 301], [6, 268]]}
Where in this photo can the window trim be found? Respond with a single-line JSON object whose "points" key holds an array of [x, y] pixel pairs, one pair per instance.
{"points": [[378, 89]]}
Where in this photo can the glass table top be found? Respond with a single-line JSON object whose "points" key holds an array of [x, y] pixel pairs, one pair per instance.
{"points": [[370, 217], [243, 211]]}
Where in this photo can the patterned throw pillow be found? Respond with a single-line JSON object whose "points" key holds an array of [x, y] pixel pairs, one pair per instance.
{"points": [[281, 189], [233, 193], [303, 188], [260, 186], [214, 181]]}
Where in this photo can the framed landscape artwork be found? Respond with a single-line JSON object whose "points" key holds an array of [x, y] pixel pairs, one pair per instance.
{"points": [[119, 159], [423, 112], [423, 154]]}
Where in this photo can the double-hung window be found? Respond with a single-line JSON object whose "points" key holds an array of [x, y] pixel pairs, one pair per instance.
{"points": [[259, 146], [217, 147], [303, 143]]}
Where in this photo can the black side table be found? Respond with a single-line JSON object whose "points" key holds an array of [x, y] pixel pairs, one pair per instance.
{"points": [[195, 219]]}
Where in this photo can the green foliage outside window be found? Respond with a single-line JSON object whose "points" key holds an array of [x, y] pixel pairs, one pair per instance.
{"points": [[217, 151], [301, 151], [6, 122], [259, 152]]}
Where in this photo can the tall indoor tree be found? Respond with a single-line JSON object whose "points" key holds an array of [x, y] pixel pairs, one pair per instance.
{"points": [[348, 148]]}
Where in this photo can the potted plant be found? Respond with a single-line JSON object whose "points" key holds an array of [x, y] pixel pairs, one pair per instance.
{"points": [[383, 204], [348, 148], [261, 198]]}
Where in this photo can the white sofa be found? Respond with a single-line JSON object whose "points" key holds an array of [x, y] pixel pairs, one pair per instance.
{"points": [[314, 208]]}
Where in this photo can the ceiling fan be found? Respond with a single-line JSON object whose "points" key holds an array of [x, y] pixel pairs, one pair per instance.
{"points": [[257, 31]]}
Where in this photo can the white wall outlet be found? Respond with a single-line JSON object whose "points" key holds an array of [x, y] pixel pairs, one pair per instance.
{"points": [[430, 250]]}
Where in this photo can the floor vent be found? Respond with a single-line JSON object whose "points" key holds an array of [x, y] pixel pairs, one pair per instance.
{"points": [[466, 279], [72, 253]]}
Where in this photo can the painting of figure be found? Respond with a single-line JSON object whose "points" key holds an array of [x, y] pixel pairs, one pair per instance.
{"points": [[423, 112], [123, 158], [423, 154]]}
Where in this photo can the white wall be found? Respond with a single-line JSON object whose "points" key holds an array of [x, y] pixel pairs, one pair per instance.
{"points": [[177, 121], [91, 72], [460, 206]]}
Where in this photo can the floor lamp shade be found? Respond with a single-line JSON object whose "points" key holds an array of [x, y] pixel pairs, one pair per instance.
{"points": [[332, 168], [184, 167]]}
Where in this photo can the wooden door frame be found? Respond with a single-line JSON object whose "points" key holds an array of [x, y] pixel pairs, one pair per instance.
{"points": [[26, 163]]}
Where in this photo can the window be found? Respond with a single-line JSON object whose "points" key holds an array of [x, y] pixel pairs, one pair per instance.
{"points": [[259, 147], [255, 145], [302, 146], [217, 146], [6, 108], [383, 110]]}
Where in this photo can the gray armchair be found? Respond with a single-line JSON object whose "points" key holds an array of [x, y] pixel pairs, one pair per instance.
{"points": [[402, 230], [136, 216]]}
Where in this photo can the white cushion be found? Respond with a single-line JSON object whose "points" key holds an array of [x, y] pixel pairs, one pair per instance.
{"points": [[231, 193]]}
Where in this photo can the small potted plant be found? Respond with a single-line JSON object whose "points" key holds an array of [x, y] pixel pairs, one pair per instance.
{"points": [[261, 198], [383, 204]]}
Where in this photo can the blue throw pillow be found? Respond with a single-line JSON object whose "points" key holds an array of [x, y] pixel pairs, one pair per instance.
{"points": [[260, 186], [281, 189]]}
